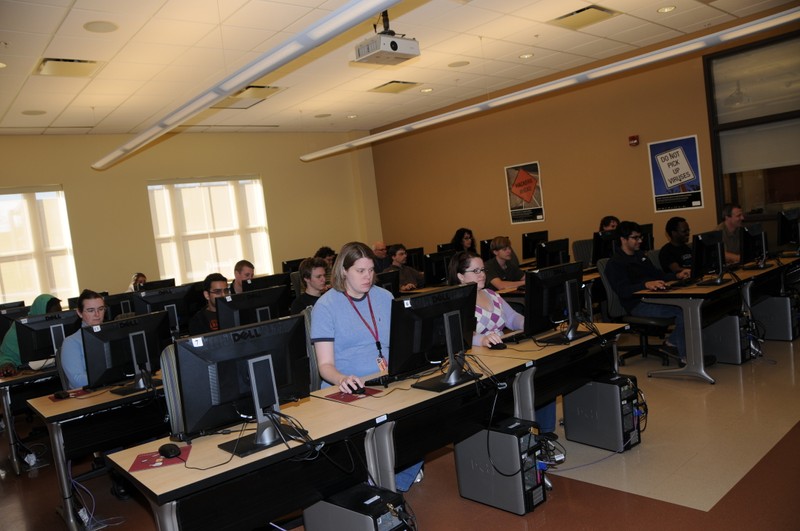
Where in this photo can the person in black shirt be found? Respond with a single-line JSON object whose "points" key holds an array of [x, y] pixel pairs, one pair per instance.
{"points": [[629, 271], [215, 285], [312, 274], [676, 255]]}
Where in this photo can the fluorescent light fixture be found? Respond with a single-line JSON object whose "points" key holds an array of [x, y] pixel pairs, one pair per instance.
{"points": [[352, 13], [621, 66]]}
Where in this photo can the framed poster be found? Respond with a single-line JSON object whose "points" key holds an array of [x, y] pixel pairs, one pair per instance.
{"points": [[675, 174], [524, 191]]}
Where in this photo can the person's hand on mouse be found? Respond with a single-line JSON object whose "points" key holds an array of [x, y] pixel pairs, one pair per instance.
{"points": [[655, 285], [8, 369], [350, 384], [490, 339]]}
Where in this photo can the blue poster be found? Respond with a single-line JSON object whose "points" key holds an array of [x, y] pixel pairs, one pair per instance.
{"points": [[675, 172]]}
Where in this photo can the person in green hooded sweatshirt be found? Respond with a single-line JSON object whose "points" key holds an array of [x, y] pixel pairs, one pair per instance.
{"points": [[9, 350]]}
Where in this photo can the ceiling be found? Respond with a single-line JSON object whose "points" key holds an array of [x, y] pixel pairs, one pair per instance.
{"points": [[165, 52]]}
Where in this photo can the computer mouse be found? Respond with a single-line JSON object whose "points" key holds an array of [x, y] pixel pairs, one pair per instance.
{"points": [[359, 391], [498, 346], [169, 450]]}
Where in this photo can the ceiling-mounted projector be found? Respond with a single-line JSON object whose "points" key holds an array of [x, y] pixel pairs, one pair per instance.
{"points": [[384, 49]]}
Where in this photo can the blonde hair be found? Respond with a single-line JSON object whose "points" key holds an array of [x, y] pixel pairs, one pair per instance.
{"points": [[347, 257]]}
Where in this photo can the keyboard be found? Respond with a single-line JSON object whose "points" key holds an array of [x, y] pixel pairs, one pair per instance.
{"points": [[682, 283], [514, 337]]}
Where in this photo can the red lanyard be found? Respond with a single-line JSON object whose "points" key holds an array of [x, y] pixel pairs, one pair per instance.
{"points": [[373, 332]]}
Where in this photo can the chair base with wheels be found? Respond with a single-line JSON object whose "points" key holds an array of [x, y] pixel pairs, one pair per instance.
{"points": [[645, 327]]}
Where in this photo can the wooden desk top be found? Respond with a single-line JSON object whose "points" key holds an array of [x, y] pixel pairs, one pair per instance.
{"points": [[58, 410], [322, 418], [742, 276], [26, 376]]}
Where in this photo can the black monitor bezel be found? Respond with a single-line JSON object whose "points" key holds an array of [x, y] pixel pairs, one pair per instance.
{"points": [[388, 278], [33, 332], [542, 286], [551, 248], [229, 308], [530, 241]]}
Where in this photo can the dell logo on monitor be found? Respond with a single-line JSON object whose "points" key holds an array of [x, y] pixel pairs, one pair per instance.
{"points": [[245, 335]]}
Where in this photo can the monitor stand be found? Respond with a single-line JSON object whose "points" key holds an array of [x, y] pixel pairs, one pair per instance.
{"points": [[456, 375], [135, 388], [716, 281], [271, 435]]}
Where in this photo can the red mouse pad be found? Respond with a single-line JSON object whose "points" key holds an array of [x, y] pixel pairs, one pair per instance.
{"points": [[344, 397], [155, 460]]}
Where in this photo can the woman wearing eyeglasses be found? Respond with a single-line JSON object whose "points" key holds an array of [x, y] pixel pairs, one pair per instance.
{"points": [[463, 240], [493, 315]]}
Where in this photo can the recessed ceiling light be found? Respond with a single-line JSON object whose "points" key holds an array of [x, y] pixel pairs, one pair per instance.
{"points": [[352, 116], [426, 90], [3, 65], [458, 64], [666, 9], [324, 115], [100, 26], [34, 113], [526, 56]]}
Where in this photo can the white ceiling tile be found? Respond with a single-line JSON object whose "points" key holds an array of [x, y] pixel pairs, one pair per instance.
{"points": [[86, 49], [267, 15], [546, 10], [145, 52], [17, 16], [166, 31]]}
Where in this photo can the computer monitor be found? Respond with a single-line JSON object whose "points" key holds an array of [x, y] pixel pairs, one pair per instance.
{"points": [[708, 257], [552, 297], [119, 304], [485, 248], [119, 350], [604, 245], [646, 230], [553, 252], [268, 281], [389, 280], [429, 328], [213, 383], [253, 306], [8, 315], [436, 266], [442, 247], [156, 284], [289, 266], [415, 257], [789, 229], [40, 336], [8, 305], [530, 241], [180, 302], [754, 247]]}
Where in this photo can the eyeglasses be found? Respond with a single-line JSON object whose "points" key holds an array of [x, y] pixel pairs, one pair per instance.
{"points": [[638, 238], [92, 311], [220, 291], [477, 270], [467, 238]]}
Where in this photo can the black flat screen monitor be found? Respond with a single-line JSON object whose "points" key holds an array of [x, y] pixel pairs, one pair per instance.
{"points": [[485, 248], [553, 252], [552, 297], [430, 328], [648, 240], [9, 305], [708, 257], [442, 247], [126, 349], [604, 245], [9, 315], [156, 284], [789, 229], [389, 280], [268, 281], [289, 266], [180, 303], [253, 307], [436, 265], [213, 383], [754, 247], [530, 241], [415, 257], [119, 304], [39, 336]]}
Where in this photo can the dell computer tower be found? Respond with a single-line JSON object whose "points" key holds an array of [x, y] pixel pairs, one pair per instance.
{"points": [[359, 508], [726, 340], [501, 470], [778, 317], [604, 413]]}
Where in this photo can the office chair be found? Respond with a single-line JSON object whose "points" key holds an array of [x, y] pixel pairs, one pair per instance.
{"points": [[316, 380], [653, 256], [644, 327], [61, 374], [297, 283], [582, 252]]}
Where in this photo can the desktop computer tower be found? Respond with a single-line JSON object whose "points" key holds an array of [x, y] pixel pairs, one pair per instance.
{"points": [[498, 467], [604, 413], [726, 340], [359, 508], [778, 317]]}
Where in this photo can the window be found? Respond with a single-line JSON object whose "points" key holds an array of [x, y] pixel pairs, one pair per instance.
{"points": [[207, 226], [754, 95], [35, 246]]}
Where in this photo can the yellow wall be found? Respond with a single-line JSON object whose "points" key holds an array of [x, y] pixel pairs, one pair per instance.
{"points": [[308, 205]]}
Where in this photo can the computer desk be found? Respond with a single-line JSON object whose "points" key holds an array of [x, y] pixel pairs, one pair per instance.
{"points": [[25, 384], [97, 421], [416, 422], [713, 301], [243, 493]]}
